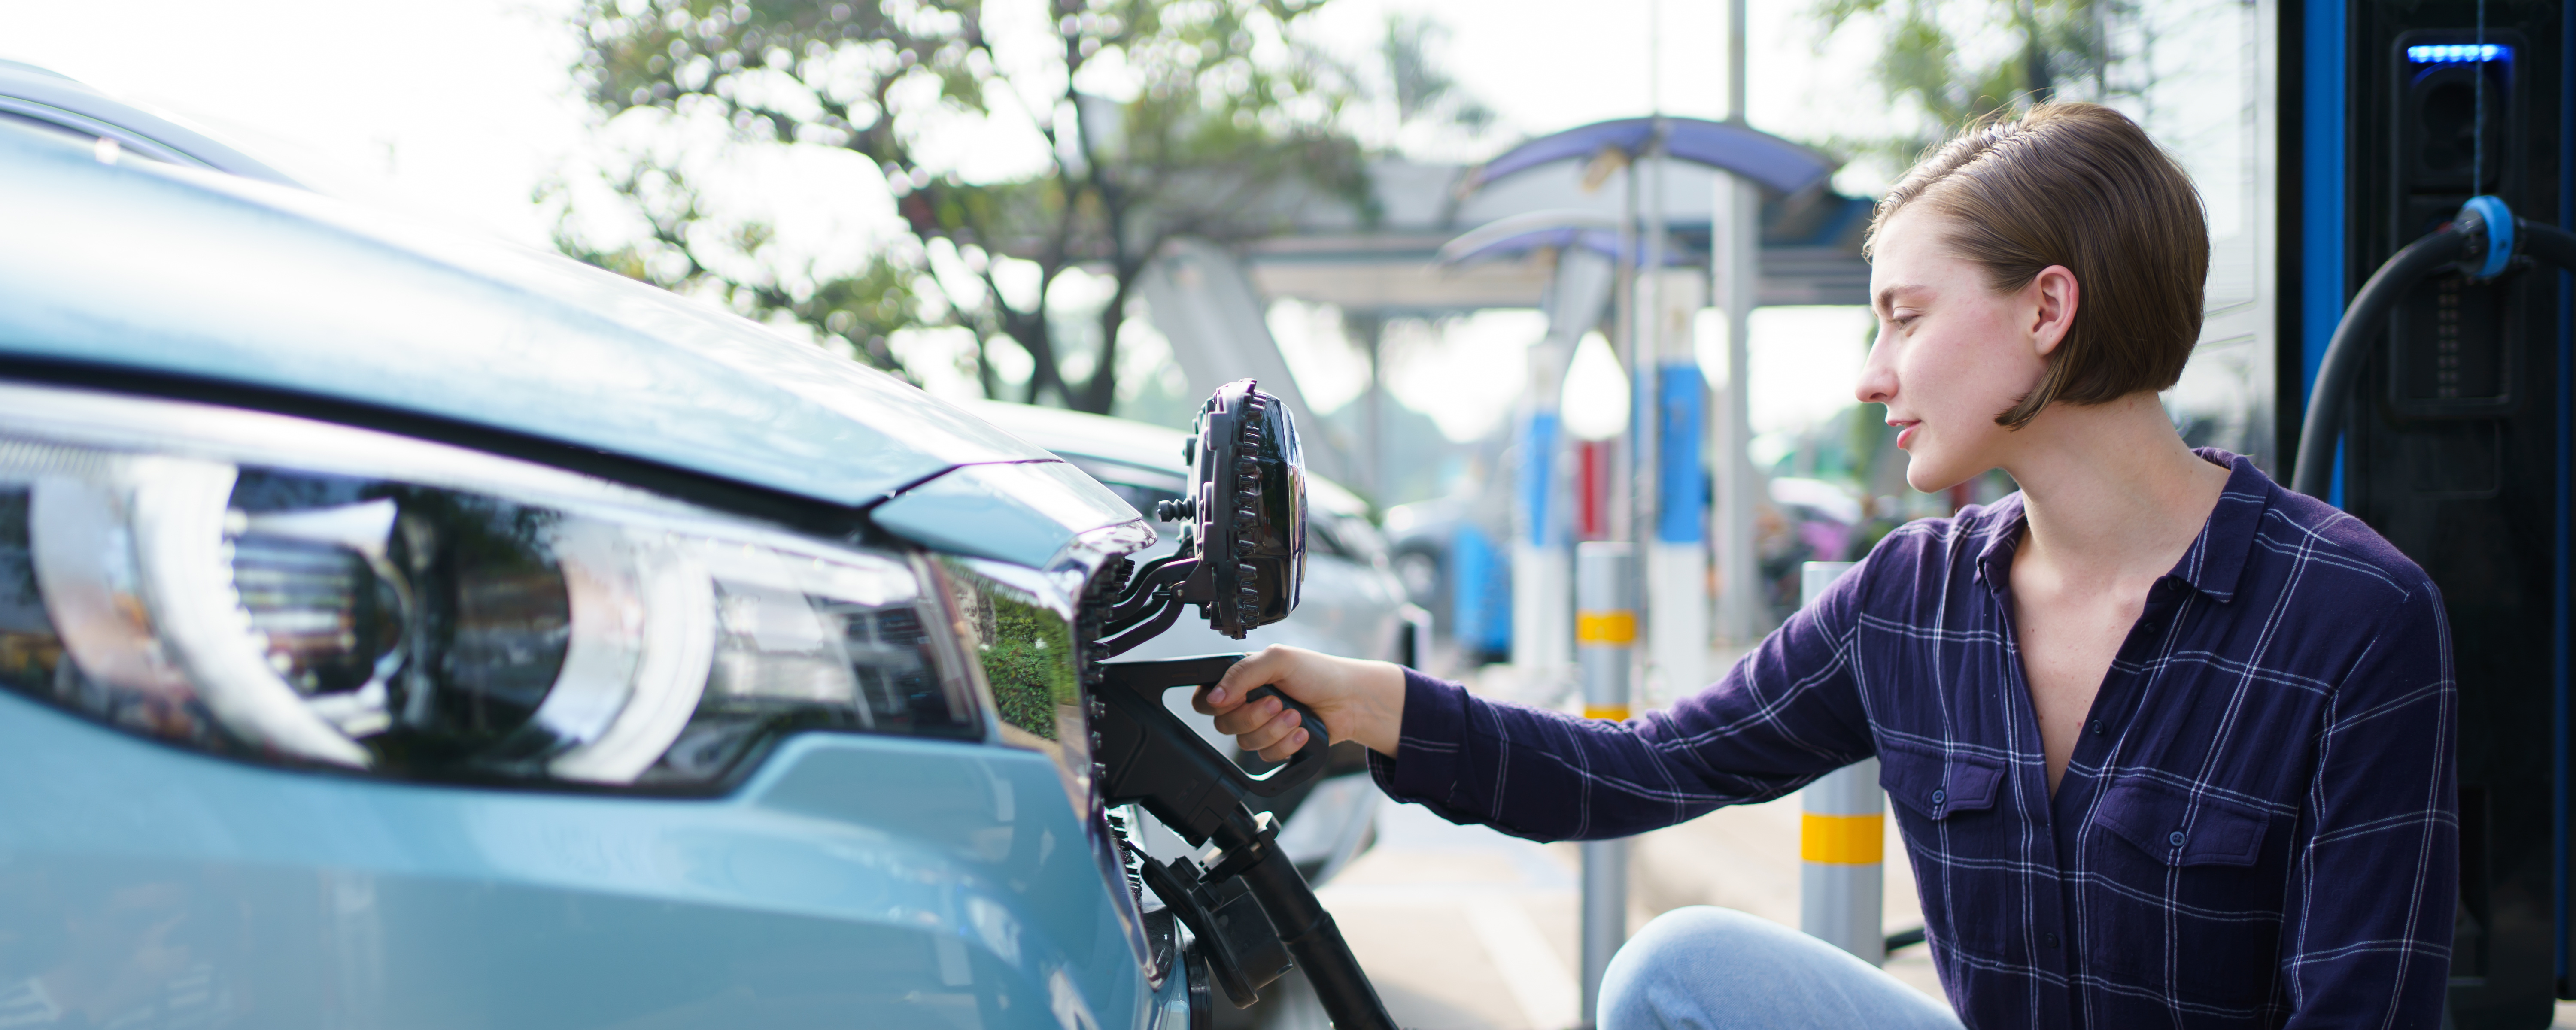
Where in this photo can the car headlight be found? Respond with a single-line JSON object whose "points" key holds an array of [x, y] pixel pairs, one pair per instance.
{"points": [[280, 588]]}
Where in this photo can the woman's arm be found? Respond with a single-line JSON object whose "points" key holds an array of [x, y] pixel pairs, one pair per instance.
{"points": [[2367, 927], [1787, 713]]}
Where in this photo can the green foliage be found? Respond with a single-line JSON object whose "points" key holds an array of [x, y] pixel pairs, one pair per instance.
{"points": [[682, 245], [1029, 660], [2061, 48], [1231, 121]]}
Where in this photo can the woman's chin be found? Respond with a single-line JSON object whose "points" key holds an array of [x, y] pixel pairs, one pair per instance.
{"points": [[1929, 474]]}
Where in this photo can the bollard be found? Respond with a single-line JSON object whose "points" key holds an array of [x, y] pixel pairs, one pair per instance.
{"points": [[1842, 837], [1605, 638]]}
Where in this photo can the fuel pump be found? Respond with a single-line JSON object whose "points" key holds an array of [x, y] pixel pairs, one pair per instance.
{"points": [[2425, 158], [1241, 561]]}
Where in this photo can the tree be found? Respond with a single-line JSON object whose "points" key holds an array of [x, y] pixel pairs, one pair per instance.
{"points": [[1151, 120], [2059, 47], [1418, 85]]}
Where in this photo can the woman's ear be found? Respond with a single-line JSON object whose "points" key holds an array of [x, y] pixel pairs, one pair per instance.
{"points": [[2054, 295]]}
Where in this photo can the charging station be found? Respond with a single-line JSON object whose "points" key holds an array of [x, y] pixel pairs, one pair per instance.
{"points": [[2454, 433]]}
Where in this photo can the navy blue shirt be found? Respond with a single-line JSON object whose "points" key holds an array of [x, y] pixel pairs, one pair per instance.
{"points": [[2257, 827]]}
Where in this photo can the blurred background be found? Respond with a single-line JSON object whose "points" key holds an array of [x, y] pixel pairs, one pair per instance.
{"points": [[1113, 206]]}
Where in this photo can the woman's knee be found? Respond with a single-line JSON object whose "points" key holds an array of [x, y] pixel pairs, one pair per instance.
{"points": [[1711, 968], [1651, 979], [1692, 931]]}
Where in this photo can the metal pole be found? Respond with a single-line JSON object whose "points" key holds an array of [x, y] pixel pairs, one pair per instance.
{"points": [[1647, 327], [1643, 356], [1623, 449], [1842, 837], [1373, 333], [1605, 635], [1738, 242], [1735, 107]]}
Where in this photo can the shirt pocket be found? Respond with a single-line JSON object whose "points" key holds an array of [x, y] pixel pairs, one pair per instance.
{"points": [[2179, 896], [1960, 844]]}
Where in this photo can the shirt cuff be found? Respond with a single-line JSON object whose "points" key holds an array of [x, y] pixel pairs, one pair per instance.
{"points": [[1428, 746]]}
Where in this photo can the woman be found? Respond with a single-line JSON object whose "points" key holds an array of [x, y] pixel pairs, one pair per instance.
{"points": [[2169, 745]]}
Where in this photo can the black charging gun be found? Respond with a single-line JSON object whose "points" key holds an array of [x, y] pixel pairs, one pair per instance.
{"points": [[1241, 560]]}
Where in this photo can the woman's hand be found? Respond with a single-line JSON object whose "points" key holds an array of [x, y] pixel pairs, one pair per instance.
{"points": [[1362, 701]]}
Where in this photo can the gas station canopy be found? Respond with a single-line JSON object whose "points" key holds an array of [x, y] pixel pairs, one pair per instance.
{"points": [[1776, 163]]}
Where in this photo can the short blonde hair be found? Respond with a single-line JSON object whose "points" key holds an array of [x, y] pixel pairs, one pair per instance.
{"points": [[2078, 185]]}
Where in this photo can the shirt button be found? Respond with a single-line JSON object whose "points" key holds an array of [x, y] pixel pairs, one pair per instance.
{"points": [[2174, 838], [2049, 939], [2150, 626], [2097, 728], [1939, 796]]}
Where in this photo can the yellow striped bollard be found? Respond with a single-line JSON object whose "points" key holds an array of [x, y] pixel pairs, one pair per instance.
{"points": [[1842, 836], [1605, 641]]}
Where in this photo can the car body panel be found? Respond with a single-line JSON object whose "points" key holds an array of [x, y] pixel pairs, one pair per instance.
{"points": [[1025, 513], [169, 271], [922, 883], [53, 100]]}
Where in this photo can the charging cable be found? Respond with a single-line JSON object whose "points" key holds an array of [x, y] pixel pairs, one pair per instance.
{"points": [[2480, 243]]}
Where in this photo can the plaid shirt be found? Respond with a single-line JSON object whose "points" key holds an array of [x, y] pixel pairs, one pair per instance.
{"points": [[2258, 826]]}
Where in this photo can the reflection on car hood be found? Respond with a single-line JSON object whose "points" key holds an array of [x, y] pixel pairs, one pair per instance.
{"points": [[151, 268]]}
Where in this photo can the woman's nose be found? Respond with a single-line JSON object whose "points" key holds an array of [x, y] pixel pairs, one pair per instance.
{"points": [[1877, 380]]}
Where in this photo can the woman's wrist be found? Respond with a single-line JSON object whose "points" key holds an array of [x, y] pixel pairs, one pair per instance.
{"points": [[1378, 692]]}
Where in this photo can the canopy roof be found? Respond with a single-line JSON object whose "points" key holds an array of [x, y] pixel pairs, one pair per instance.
{"points": [[1560, 230], [1764, 158]]}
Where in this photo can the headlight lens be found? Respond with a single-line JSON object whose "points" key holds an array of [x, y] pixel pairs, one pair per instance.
{"points": [[444, 614]]}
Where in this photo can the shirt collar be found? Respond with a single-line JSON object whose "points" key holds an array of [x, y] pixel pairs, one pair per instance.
{"points": [[2218, 557], [2211, 566]]}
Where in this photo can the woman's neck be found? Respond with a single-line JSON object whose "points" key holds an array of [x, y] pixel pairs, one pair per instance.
{"points": [[2111, 491]]}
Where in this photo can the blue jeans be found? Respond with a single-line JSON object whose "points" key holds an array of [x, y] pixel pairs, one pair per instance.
{"points": [[1703, 968]]}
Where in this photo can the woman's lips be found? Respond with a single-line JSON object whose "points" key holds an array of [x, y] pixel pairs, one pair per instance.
{"points": [[1904, 432]]}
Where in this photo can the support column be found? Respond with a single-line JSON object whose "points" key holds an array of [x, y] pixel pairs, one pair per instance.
{"points": [[1736, 253], [1677, 557], [1542, 559], [1542, 577]]}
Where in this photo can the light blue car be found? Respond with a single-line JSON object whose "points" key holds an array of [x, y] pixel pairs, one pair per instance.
{"points": [[400, 630]]}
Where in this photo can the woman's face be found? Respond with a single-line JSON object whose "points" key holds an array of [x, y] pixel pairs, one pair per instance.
{"points": [[1951, 352]]}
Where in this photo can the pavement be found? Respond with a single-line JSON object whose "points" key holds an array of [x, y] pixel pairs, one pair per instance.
{"points": [[1464, 928]]}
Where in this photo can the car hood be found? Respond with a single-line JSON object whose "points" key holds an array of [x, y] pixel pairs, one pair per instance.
{"points": [[53, 98], [133, 265]]}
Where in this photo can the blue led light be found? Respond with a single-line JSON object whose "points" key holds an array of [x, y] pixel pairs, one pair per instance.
{"points": [[2457, 53]]}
